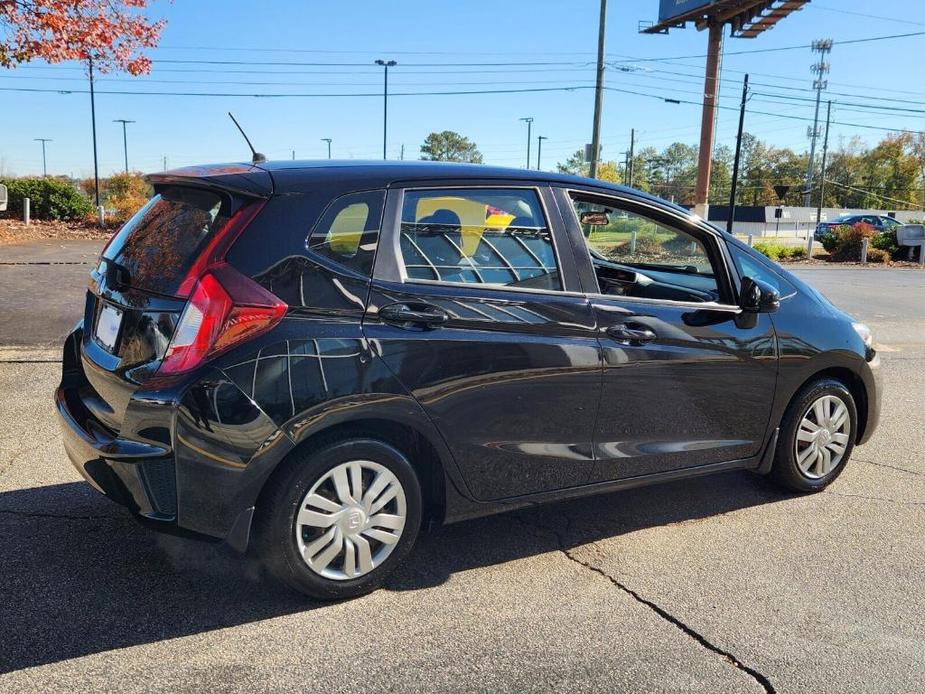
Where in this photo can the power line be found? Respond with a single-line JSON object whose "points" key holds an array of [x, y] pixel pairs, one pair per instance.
{"points": [[785, 48], [871, 192], [868, 16], [461, 92]]}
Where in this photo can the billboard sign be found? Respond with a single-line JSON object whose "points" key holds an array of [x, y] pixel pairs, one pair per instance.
{"points": [[668, 9]]}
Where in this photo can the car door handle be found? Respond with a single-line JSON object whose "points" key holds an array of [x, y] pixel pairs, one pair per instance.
{"points": [[628, 335], [420, 314]]}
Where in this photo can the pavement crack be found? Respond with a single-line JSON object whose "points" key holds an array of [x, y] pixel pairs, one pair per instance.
{"points": [[762, 680], [62, 516], [884, 499], [891, 467], [30, 361]]}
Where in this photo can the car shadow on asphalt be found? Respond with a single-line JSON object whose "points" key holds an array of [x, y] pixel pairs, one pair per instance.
{"points": [[80, 576]]}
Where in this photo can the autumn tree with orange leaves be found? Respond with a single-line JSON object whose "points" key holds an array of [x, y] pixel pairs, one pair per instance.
{"points": [[111, 32]]}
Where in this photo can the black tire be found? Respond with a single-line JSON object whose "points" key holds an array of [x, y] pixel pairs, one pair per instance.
{"points": [[275, 524], [785, 470]]}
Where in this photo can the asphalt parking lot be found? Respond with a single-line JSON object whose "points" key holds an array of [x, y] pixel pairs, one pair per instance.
{"points": [[721, 583]]}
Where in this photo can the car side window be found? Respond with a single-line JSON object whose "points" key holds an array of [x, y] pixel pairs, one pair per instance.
{"points": [[634, 255], [348, 231], [480, 236]]}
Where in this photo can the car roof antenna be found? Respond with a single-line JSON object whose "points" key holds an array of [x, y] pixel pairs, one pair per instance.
{"points": [[257, 157]]}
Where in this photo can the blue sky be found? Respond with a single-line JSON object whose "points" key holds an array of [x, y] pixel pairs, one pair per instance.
{"points": [[554, 42]]}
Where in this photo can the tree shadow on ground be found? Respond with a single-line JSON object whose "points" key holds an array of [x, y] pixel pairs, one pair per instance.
{"points": [[81, 576]]}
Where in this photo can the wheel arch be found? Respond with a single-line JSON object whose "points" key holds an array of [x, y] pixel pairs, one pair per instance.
{"points": [[421, 451], [855, 385]]}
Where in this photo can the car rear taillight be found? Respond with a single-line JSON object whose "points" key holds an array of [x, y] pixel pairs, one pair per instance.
{"points": [[224, 309]]}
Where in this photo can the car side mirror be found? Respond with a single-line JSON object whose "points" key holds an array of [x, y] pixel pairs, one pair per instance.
{"points": [[758, 297]]}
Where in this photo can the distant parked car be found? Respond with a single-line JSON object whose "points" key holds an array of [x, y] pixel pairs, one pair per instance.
{"points": [[880, 222]]}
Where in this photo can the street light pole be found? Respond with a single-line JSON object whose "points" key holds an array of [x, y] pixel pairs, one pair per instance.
{"points": [[539, 150], [529, 122], [328, 140], [385, 101], [124, 138], [43, 140]]}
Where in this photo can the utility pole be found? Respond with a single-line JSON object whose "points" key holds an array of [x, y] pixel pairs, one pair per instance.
{"points": [[402, 154], [124, 139], [598, 92], [165, 162], [385, 101], [708, 120], [293, 155], [632, 165], [529, 122], [96, 168], [822, 47], [825, 152], [539, 150], [735, 163], [328, 140], [43, 140]]}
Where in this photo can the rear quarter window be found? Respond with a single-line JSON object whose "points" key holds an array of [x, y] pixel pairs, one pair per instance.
{"points": [[348, 231], [160, 243]]}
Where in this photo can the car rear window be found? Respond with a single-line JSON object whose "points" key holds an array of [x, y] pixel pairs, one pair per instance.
{"points": [[159, 244]]}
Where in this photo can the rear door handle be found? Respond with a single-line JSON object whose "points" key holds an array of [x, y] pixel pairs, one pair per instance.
{"points": [[631, 334], [413, 314]]}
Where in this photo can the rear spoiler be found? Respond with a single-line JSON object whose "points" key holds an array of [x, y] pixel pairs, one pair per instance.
{"points": [[238, 179]]}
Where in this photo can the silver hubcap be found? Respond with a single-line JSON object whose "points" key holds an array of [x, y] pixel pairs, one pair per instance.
{"points": [[822, 437], [350, 520]]}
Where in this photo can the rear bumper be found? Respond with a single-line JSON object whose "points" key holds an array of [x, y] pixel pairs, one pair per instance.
{"points": [[177, 465], [136, 475]]}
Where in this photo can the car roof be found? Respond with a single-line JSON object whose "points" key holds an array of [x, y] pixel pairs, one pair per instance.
{"points": [[392, 171], [263, 179]]}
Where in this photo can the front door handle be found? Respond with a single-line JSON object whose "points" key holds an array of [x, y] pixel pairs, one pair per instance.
{"points": [[631, 334], [413, 314]]}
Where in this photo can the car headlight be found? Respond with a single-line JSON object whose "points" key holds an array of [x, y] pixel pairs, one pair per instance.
{"points": [[865, 334]]}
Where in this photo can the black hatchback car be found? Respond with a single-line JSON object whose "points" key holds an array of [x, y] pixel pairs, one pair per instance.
{"points": [[318, 360]]}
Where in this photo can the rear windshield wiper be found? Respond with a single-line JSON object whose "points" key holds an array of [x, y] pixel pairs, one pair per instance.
{"points": [[117, 275]]}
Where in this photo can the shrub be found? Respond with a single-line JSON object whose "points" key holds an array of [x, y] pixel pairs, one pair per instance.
{"points": [[829, 241], [848, 241], [774, 251], [797, 252], [126, 193], [877, 255], [886, 242], [50, 198]]}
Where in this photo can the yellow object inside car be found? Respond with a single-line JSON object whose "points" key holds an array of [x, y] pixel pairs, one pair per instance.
{"points": [[347, 229], [474, 218]]}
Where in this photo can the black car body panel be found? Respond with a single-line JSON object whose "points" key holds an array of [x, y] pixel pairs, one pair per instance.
{"points": [[514, 396]]}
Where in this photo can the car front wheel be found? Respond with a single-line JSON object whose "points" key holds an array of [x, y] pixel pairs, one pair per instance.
{"points": [[817, 436], [337, 520]]}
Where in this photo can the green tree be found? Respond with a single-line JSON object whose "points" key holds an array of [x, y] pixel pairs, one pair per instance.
{"points": [[574, 165], [450, 146]]}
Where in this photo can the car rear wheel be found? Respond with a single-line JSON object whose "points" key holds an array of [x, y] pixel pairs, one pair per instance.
{"points": [[337, 520], [817, 436]]}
